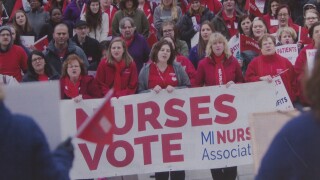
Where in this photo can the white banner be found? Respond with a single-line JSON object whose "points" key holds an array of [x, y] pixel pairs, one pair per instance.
{"points": [[41, 101], [311, 53], [196, 128], [289, 51], [283, 101], [234, 45]]}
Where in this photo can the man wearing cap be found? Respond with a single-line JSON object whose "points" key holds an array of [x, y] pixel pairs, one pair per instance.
{"points": [[13, 58], [61, 46], [229, 16], [37, 16], [89, 45]]}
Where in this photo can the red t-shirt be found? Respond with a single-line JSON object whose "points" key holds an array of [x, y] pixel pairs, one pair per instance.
{"points": [[163, 79], [43, 77]]}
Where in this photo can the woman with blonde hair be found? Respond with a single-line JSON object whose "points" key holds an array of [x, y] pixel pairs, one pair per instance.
{"points": [[286, 35], [219, 67], [167, 10], [118, 70]]}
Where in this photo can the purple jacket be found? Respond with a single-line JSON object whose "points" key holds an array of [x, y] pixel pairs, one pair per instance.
{"points": [[139, 50], [72, 12]]}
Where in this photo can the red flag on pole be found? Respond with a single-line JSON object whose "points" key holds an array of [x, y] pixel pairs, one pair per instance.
{"points": [[42, 43], [17, 6], [247, 43], [98, 128], [252, 8]]}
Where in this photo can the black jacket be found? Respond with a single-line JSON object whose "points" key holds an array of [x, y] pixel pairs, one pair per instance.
{"points": [[91, 49], [187, 31]]}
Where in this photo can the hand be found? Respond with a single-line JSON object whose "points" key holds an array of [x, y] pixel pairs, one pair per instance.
{"points": [[267, 78], [78, 98], [299, 43], [157, 89], [196, 27], [66, 145], [170, 89], [229, 84]]}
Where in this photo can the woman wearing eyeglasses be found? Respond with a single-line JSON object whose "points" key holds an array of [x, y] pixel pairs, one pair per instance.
{"points": [[39, 69], [283, 14]]}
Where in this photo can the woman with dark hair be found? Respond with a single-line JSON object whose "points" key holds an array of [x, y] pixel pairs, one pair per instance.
{"points": [[118, 70], [301, 61], [75, 83], [294, 151], [21, 23], [198, 51], [219, 67], [270, 18], [55, 18], [97, 21], [39, 69], [244, 25], [163, 73], [191, 21]]}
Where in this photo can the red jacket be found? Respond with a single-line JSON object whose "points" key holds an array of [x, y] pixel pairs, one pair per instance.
{"points": [[299, 68], [88, 88], [267, 19], [273, 65], [206, 67], [106, 74], [13, 62], [214, 5], [189, 68]]}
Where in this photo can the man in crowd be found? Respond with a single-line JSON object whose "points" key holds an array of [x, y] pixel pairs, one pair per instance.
{"points": [[61, 46], [89, 45], [13, 59]]}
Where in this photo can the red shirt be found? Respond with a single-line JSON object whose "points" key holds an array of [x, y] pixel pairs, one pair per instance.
{"points": [[43, 77], [299, 68], [231, 23], [13, 62], [189, 68], [163, 79]]}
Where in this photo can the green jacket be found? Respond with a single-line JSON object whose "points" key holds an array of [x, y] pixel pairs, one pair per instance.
{"points": [[139, 18]]}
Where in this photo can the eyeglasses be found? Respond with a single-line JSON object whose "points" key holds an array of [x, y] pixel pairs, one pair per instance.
{"points": [[167, 30], [283, 15], [37, 59], [5, 34]]}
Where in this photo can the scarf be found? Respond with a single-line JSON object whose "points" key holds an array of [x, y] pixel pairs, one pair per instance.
{"points": [[220, 75], [128, 41], [71, 89], [120, 66]]}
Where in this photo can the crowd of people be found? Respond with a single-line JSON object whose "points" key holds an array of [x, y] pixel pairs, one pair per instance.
{"points": [[138, 46]]}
